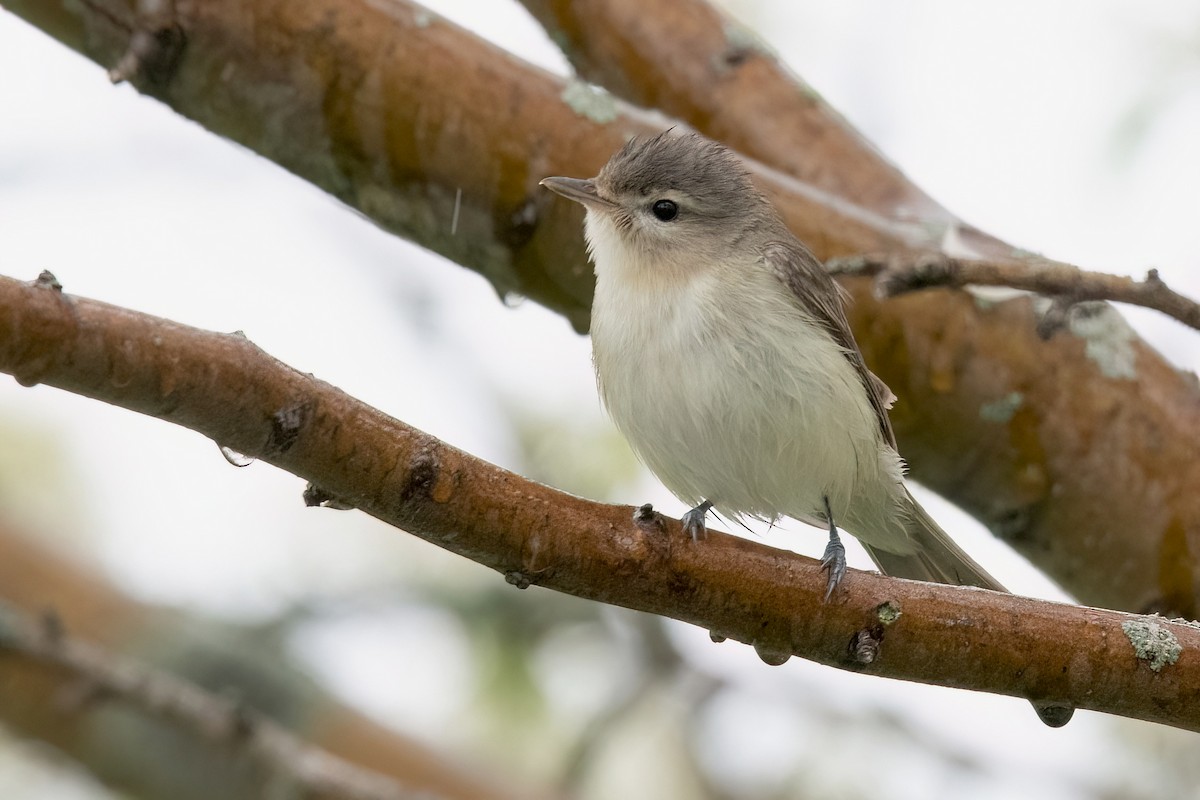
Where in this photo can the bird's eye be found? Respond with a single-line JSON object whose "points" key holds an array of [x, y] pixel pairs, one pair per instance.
{"points": [[665, 210]]}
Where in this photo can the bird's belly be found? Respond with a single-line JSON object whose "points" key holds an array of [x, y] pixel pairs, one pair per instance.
{"points": [[764, 422]]}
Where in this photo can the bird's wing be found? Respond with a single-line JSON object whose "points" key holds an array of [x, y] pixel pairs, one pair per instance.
{"points": [[820, 296]]}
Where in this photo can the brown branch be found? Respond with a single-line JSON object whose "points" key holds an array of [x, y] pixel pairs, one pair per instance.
{"points": [[897, 274], [225, 387], [273, 756], [395, 111]]}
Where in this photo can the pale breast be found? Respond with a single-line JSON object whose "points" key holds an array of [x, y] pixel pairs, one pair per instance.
{"points": [[729, 395]]}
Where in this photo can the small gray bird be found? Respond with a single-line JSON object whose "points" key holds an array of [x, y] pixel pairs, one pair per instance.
{"points": [[723, 355]]}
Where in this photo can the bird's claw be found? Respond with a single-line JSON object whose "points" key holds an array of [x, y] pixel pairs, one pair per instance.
{"points": [[833, 562], [693, 521]]}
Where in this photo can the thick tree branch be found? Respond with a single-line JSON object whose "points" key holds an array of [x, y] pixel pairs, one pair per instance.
{"points": [[1066, 284], [270, 756], [396, 111], [226, 388]]}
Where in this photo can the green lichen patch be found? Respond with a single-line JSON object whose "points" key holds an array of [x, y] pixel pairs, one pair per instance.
{"points": [[1002, 410], [888, 612], [1109, 339], [590, 102], [1153, 643]]}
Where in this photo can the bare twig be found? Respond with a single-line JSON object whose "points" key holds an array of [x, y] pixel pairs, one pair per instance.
{"points": [[226, 388], [897, 274], [278, 758]]}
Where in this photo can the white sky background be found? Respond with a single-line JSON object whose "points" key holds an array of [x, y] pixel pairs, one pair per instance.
{"points": [[1015, 115]]}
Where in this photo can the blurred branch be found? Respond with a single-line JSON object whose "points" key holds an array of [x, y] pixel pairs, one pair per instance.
{"points": [[219, 657], [225, 387], [659, 664], [275, 758], [896, 274]]}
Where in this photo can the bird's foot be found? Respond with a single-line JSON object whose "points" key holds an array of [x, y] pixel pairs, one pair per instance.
{"points": [[833, 560], [693, 521]]}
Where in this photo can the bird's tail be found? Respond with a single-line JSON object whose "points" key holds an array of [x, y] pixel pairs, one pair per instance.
{"points": [[937, 557]]}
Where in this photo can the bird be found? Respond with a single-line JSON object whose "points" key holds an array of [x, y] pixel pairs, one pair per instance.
{"points": [[723, 355]]}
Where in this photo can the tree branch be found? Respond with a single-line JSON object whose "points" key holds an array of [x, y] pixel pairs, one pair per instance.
{"points": [[897, 274], [275, 757], [395, 111], [226, 388]]}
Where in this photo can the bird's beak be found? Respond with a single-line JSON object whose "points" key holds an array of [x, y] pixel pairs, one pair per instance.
{"points": [[581, 191]]}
